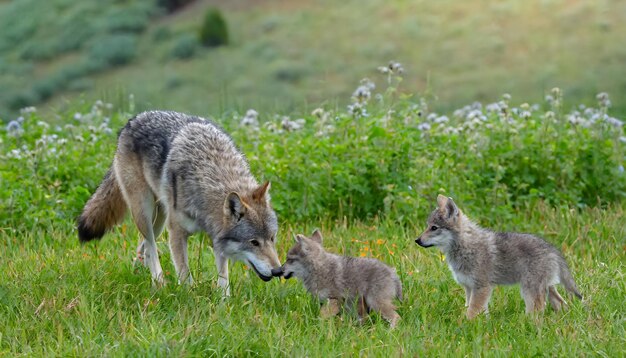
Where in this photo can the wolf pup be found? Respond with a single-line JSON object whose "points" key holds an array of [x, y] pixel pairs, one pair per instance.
{"points": [[480, 259], [339, 279], [184, 170]]}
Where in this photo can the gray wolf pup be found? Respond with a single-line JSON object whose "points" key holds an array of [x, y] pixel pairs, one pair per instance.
{"points": [[184, 170], [480, 259], [338, 279]]}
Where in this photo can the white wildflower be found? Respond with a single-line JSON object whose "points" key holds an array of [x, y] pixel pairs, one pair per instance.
{"points": [[291, 126], [361, 95], [603, 100], [424, 126], [250, 119], [368, 83]]}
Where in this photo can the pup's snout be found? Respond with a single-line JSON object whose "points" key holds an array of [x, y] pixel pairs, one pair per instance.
{"points": [[277, 272]]}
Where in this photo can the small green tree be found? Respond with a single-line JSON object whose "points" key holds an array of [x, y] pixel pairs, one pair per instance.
{"points": [[214, 31]]}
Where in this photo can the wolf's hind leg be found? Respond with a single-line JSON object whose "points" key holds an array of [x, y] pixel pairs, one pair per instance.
{"points": [[157, 228], [556, 300], [178, 248], [142, 205]]}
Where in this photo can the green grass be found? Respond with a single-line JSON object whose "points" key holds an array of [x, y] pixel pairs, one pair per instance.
{"points": [[61, 298], [284, 55]]}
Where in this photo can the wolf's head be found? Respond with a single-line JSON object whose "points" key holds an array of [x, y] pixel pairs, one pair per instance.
{"points": [[443, 224], [249, 231], [303, 255]]}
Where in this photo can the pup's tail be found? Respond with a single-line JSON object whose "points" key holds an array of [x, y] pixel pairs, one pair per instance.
{"points": [[565, 276], [103, 210]]}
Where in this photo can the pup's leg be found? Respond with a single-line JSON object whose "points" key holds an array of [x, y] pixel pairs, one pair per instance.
{"points": [[221, 262], [386, 308], [330, 309], [468, 295], [178, 248], [361, 308], [556, 300], [534, 297], [479, 301]]}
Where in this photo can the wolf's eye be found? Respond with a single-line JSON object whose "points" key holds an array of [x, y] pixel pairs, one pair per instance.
{"points": [[254, 242], [433, 228]]}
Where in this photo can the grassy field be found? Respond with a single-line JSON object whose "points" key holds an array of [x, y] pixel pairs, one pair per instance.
{"points": [[60, 298], [368, 177], [284, 57]]}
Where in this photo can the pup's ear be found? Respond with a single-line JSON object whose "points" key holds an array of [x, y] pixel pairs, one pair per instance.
{"points": [[451, 210], [299, 238], [234, 207], [259, 193], [442, 201], [317, 236]]}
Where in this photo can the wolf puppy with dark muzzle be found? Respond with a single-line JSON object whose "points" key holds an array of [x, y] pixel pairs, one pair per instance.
{"points": [[480, 259], [343, 280], [186, 172]]}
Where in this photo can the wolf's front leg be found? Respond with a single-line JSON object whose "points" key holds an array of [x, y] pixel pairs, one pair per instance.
{"points": [[178, 248], [330, 309], [140, 257], [222, 272]]}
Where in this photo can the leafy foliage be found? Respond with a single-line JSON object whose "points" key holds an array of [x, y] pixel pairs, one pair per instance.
{"points": [[214, 31]]}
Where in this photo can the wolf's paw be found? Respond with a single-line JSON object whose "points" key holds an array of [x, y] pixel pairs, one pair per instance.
{"points": [[158, 281]]}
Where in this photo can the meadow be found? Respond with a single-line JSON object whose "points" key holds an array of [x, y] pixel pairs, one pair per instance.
{"points": [[367, 175], [282, 56]]}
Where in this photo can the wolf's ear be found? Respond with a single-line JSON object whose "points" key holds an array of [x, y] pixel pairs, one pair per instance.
{"points": [[234, 207], [259, 193], [317, 236]]}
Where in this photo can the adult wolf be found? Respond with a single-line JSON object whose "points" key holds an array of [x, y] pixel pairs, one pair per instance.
{"points": [[185, 170]]}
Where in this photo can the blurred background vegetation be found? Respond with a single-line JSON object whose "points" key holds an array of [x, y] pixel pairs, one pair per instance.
{"points": [[290, 55]]}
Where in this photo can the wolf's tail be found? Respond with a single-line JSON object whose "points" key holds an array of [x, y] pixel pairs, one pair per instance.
{"points": [[565, 276], [103, 210]]}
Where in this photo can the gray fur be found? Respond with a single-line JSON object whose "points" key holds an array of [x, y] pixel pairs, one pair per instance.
{"points": [[341, 279], [187, 172], [480, 258]]}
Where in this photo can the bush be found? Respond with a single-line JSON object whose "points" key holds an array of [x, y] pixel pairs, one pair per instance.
{"points": [[173, 5], [214, 31], [184, 47], [113, 50]]}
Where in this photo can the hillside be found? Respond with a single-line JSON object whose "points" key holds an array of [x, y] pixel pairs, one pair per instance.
{"points": [[294, 54]]}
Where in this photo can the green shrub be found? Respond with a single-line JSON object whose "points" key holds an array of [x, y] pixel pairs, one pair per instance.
{"points": [[113, 50], [185, 47], [38, 51], [214, 31], [173, 5]]}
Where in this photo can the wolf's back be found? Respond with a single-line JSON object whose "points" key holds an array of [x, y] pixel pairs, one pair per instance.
{"points": [[103, 210]]}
